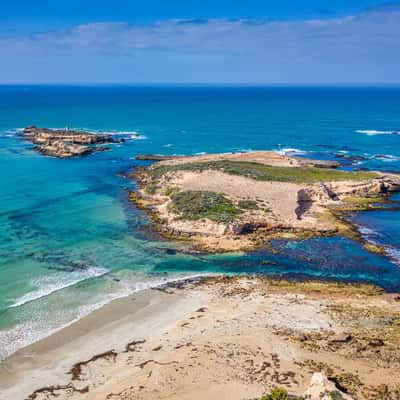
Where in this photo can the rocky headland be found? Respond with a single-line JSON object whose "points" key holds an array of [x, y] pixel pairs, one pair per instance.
{"points": [[66, 143], [229, 202]]}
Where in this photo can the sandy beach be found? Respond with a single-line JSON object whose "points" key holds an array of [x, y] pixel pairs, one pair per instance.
{"points": [[218, 338]]}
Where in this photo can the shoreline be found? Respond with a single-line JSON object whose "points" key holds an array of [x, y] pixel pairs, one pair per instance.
{"points": [[178, 282], [110, 320], [99, 306], [105, 340]]}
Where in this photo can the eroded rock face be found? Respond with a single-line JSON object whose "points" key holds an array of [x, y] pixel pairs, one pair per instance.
{"points": [[321, 388], [65, 143], [331, 191]]}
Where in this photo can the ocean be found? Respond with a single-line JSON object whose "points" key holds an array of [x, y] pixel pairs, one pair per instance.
{"points": [[70, 241]]}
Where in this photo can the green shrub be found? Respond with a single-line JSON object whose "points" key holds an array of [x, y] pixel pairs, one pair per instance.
{"points": [[276, 394], [280, 394], [150, 188], [248, 205], [169, 191], [194, 205], [335, 396]]}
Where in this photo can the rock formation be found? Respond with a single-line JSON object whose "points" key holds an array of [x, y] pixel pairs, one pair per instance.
{"points": [[65, 143], [321, 388]]}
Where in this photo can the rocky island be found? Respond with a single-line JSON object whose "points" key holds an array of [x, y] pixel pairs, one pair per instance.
{"points": [[230, 202], [66, 143]]}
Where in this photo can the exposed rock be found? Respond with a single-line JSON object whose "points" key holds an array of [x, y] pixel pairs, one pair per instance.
{"points": [[327, 191], [376, 343], [320, 193], [65, 143], [341, 337], [350, 158], [62, 149], [321, 163], [321, 388]]}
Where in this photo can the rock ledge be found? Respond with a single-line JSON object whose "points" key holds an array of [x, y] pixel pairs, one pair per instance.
{"points": [[66, 143]]}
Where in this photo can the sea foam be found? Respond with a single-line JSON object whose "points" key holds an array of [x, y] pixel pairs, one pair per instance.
{"points": [[373, 132], [290, 152], [51, 284], [386, 157], [394, 254], [371, 236]]}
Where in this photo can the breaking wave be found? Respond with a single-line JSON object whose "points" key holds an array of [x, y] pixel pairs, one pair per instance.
{"points": [[290, 152], [48, 285], [373, 132], [30, 332]]}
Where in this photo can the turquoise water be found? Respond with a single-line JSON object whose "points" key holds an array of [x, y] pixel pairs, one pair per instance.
{"points": [[70, 241]]}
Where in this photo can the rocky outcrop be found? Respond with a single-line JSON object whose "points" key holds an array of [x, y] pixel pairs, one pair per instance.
{"points": [[321, 388], [66, 143], [326, 192], [61, 149], [319, 163]]}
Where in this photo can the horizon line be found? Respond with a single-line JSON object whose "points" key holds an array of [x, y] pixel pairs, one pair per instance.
{"points": [[248, 84]]}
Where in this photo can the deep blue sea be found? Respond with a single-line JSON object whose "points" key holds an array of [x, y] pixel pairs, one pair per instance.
{"points": [[69, 240]]}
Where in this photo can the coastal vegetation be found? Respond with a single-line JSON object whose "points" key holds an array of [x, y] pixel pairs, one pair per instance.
{"points": [[248, 205], [278, 394], [194, 205], [262, 172]]}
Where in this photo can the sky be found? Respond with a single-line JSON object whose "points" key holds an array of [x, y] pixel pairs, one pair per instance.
{"points": [[193, 41]]}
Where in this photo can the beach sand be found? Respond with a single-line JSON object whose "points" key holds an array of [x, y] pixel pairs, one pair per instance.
{"points": [[217, 338]]}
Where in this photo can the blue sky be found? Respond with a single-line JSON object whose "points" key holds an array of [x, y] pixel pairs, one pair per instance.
{"points": [[219, 41]]}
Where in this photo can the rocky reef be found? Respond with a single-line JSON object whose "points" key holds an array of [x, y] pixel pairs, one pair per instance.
{"points": [[66, 143]]}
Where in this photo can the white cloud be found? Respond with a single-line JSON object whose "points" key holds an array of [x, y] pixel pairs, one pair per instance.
{"points": [[283, 50]]}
